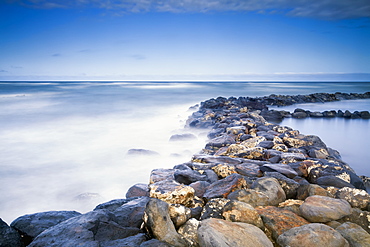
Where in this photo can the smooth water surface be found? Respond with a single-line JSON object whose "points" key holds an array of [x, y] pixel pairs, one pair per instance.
{"points": [[64, 144]]}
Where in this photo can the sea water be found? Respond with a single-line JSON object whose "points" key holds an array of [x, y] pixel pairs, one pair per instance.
{"points": [[64, 145]]}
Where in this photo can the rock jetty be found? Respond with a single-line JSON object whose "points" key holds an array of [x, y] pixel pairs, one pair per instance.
{"points": [[255, 183]]}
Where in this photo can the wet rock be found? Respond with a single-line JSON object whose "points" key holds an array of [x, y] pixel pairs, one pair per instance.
{"points": [[224, 187], [248, 169], [9, 236], [200, 187], [272, 188], [278, 220], [289, 185], [138, 190], [356, 197], [161, 174], [237, 211], [280, 168], [316, 114], [324, 209], [179, 214], [89, 229], [217, 232], [333, 181], [313, 235], [141, 152], [354, 234], [183, 137], [250, 196], [157, 220], [299, 115], [189, 231], [214, 208], [31, 225], [365, 114], [172, 192], [272, 115], [188, 176], [131, 213]]}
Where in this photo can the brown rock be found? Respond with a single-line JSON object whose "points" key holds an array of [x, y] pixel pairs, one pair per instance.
{"points": [[359, 217], [272, 188], [242, 212], [223, 187], [172, 192], [292, 205], [250, 196], [355, 235], [179, 214], [307, 190], [224, 170]]}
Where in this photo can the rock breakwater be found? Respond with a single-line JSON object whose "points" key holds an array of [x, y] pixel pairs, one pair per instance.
{"points": [[255, 183]]}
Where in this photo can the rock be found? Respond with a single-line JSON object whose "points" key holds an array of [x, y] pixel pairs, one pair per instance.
{"points": [[89, 229], [131, 213], [272, 116], [155, 243], [132, 241], [291, 205], [172, 192], [359, 217], [31, 225], [9, 236], [214, 208], [189, 231], [237, 211], [280, 168], [250, 196], [248, 169], [278, 220], [141, 152], [217, 232], [200, 187], [324, 209], [354, 234], [316, 114], [356, 197], [138, 190], [219, 142], [179, 214], [272, 188], [113, 204], [307, 190], [161, 174], [266, 144], [224, 187], [256, 153], [319, 153], [289, 185], [183, 137], [313, 235], [333, 181], [224, 170], [299, 115], [188, 176], [365, 114], [157, 220]]}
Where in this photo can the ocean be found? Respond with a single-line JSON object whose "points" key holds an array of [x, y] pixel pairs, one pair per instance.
{"points": [[64, 144]]}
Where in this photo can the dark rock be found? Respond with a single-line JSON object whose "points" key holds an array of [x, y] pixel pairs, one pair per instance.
{"points": [[354, 234], [31, 225], [278, 220], [138, 190], [266, 144], [190, 232], [365, 114], [272, 188], [319, 153], [161, 174], [219, 142], [324, 209], [188, 176], [214, 208], [359, 217], [280, 168], [299, 115], [316, 114], [132, 241], [183, 137], [333, 181], [89, 229], [141, 152], [329, 114], [307, 190], [9, 237], [131, 213], [199, 187], [155, 243], [248, 169], [223, 187], [289, 185], [113, 204], [217, 232], [347, 114], [272, 116], [313, 235], [157, 220]]}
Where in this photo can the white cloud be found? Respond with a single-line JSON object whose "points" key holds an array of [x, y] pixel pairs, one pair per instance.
{"points": [[325, 9]]}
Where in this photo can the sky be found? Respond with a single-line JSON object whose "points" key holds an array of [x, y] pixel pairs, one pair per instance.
{"points": [[185, 40]]}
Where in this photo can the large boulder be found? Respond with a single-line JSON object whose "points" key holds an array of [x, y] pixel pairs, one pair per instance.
{"points": [[89, 229], [131, 213], [313, 235], [250, 196], [137, 190], [272, 188], [355, 235], [216, 232], [31, 225], [157, 219], [242, 212], [324, 209], [9, 236], [289, 185]]}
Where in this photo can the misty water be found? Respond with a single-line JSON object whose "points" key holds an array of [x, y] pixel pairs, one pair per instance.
{"points": [[64, 144]]}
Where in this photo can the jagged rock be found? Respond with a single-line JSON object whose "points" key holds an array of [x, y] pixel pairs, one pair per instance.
{"points": [[113, 204], [217, 232], [214, 208], [356, 197], [179, 214], [359, 217], [324, 209], [219, 142], [224, 187], [131, 213], [9, 236], [188, 176], [157, 220], [278, 220], [161, 174], [172, 192], [313, 235], [250, 196], [183, 137], [333, 181], [248, 169], [224, 170], [190, 232], [307, 190], [289, 185], [89, 229], [354, 234], [200, 187], [138, 190], [272, 188], [280, 168], [132, 241], [237, 211], [31, 225]]}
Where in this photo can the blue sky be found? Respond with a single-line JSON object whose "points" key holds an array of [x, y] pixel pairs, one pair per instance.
{"points": [[185, 40]]}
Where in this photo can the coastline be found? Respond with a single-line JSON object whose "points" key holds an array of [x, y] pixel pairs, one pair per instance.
{"points": [[247, 160]]}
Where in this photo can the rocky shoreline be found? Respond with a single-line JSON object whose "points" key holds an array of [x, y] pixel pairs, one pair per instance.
{"points": [[255, 183]]}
